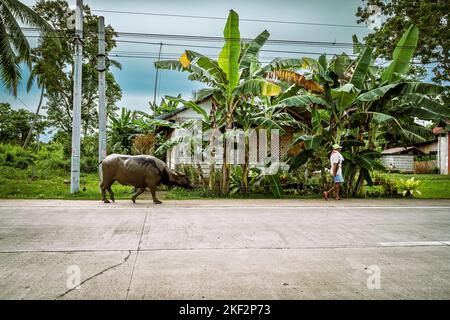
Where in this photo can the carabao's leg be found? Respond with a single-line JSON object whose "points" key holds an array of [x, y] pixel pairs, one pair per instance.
{"points": [[111, 194], [103, 187], [133, 198], [153, 191]]}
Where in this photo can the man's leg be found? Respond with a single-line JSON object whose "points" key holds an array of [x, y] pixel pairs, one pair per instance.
{"points": [[337, 186], [326, 193]]}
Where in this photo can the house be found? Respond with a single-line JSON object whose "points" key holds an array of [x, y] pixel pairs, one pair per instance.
{"points": [[428, 147], [400, 158], [404, 159], [182, 114]]}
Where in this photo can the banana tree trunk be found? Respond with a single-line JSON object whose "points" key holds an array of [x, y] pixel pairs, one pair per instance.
{"points": [[212, 141], [359, 183], [212, 169], [201, 179], [225, 165], [246, 165]]}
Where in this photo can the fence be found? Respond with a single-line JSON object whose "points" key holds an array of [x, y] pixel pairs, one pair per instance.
{"points": [[425, 166]]}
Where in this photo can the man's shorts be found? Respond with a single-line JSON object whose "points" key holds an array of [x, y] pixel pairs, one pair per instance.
{"points": [[338, 178]]}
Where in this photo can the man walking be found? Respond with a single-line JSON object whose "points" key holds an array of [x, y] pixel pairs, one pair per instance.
{"points": [[336, 171]]}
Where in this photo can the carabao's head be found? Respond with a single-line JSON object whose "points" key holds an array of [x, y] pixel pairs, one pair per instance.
{"points": [[179, 179]]}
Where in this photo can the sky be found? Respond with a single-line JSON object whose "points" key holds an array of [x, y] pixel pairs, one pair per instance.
{"points": [[137, 77]]}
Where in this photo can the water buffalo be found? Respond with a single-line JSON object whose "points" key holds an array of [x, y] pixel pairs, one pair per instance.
{"points": [[139, 171]]}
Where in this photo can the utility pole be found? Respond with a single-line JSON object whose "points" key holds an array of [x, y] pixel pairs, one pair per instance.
{"points": [[156, 79], [76, 113], [101, 68]]}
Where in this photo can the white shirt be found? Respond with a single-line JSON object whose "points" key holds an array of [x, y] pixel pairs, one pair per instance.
{"points": [[336, 157]]}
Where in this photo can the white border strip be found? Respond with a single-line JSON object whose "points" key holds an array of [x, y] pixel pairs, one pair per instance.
{"points": [[413, 243]]}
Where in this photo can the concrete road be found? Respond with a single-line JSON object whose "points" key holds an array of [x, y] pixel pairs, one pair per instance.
{"points": [[225, 249]]}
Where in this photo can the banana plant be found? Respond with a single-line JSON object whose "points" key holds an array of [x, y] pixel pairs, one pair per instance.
{"points": [[360, 102], [123, 131], [227, 74]]}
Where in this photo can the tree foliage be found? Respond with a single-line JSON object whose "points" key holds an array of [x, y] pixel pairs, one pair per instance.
{"points": [[14, 46], [54, 67], [15, 124], [432, 18]]}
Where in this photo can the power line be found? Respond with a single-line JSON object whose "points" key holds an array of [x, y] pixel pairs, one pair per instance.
{"points": [[155, 57], [284, 42], [119, 34], [215, 47], [222, 18], [24, 104], [212, 47], [221, 39]]}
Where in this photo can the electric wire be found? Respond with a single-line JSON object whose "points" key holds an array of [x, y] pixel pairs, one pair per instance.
{"points": [[222, 18]]}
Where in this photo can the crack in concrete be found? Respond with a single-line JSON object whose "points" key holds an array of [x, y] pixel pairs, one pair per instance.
{"points": [[375, 245], [137, 251], [95, 275]]}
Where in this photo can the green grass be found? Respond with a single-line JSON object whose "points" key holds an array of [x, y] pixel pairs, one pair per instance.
{"points": [[433, 186], [51, 184]]}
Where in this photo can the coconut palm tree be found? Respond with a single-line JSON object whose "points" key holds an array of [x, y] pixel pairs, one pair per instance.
{"points": [[42, 72], [14, 47]]}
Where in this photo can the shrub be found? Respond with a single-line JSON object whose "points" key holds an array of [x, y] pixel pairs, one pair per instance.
{"points": [[237, 184], [144, 143], [53, 157], [89, 164], [408, 187], [390, 187], [435, 170], [16, 157]]}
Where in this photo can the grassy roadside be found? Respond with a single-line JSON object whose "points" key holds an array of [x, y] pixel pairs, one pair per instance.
{"points": [[18, 184], [53, 184], [433, 186]]}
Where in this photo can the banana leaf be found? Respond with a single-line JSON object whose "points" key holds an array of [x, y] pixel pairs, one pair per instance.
{"points": [[362, 66], [425, 103], [259, 87], [252, 49], [275, 185], [301, 158], [402, 56], [229, 56], [303, 100], [422, 88], [376, 93], [279, 64], [208, 65], [192, 105], [345, 96]]}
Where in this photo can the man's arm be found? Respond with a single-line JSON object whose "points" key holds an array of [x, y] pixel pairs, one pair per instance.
{"points": [[334, 169]]}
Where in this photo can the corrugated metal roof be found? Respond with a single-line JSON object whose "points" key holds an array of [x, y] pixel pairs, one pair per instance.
{"points": [[397, 150], [170, 114]]}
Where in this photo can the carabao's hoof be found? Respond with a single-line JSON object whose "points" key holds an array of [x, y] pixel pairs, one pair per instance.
{"points": [[133, 199], [157, 202], [106, 201]]}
